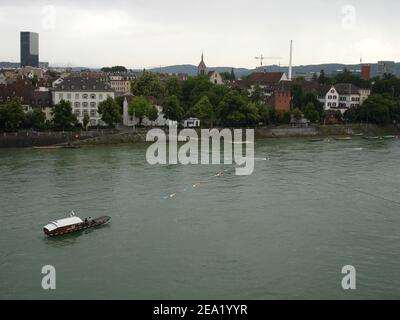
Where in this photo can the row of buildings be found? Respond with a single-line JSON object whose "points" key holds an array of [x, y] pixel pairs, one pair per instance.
{"points": [[38, 88]]}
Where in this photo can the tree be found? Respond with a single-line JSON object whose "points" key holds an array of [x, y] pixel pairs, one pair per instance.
{"points": [[351, 115], [322, 79], [204, 110], [62, 115], [297, 115], [312, 98], [114, 69], [148, 85], [36, 119], [257, 96], [233, 108], [376, 109], [173, 86], [297, 95], [85, 121], [252, 114], [109, 111], [152, 113], [139, 107], [282, 117], [12, 115], [311, 113], [266, 113], [172, 109], [120, 101]]}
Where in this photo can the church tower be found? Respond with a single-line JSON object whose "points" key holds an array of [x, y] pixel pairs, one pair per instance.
{"points": [[202, 68]]}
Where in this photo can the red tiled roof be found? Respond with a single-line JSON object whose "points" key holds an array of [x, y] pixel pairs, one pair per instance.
{"points": [[266, 77]]}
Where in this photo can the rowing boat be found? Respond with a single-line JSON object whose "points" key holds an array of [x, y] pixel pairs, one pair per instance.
{"points": [[344, 139]]}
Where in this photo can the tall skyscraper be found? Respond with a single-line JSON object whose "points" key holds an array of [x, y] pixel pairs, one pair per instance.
{"points": [[29, 49]]}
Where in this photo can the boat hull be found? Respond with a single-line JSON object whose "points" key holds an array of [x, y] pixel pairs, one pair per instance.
{"points": [[77, 227]]}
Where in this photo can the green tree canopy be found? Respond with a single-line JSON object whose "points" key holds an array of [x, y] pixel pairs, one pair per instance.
{"points": [[172, 109], [311, 113], [110, 112], [36, 119], [11, 115], [233, 108], [173, 86], [203, 110], [140, 107], [257, 96], [62, 116], [114, 69], [149, 85]]}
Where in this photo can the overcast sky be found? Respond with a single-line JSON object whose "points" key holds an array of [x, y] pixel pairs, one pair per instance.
{"points": [[150, 33]]}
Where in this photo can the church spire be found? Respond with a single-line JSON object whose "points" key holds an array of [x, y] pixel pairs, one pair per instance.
{"points": [[201, 69]]}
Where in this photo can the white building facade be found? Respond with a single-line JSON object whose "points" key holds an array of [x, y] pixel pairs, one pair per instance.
{"points": [[215, 77], [343, 96], [85, 95]]}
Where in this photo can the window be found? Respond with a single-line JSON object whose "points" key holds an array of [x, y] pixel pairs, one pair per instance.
{"points": [[85, 96], [85, 112], [69, 96], [93, 104], [85, 104], [78, 113], [92, 113], [60, 96], [77, 104], [92, 96], [76, 95], [100, 96]]}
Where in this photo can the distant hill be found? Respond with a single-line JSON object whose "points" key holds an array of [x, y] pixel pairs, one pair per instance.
{"points": [[329, 68], [192, 70]]}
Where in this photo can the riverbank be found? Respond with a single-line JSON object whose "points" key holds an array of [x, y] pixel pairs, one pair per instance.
{"points": [[113, 137], [263, 133]]}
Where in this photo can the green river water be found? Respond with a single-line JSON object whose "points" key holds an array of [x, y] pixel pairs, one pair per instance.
{"points": [[284, 232]]}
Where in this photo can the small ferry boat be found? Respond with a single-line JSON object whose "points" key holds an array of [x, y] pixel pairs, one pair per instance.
{"points": [[389, 137], [371, 138], [73, 224]]}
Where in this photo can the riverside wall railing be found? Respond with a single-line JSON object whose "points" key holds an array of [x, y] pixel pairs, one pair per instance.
{"points": [[22, 139]]}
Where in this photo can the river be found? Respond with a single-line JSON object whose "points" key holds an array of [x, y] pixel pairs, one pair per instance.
{"points": [[284, 232]]}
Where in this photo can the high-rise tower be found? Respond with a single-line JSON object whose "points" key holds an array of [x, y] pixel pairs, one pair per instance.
{"points": [[29, 49]]}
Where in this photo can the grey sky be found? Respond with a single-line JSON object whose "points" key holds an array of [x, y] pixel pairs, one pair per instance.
{"points": [[150, 33]]}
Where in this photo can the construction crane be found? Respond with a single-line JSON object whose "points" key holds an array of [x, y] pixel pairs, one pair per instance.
{"points": [[262, 58]]}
